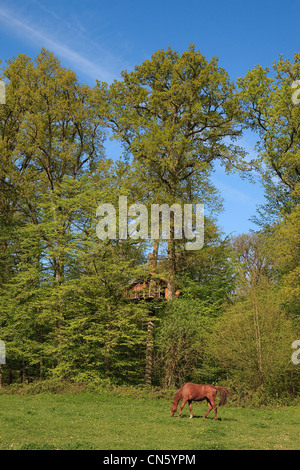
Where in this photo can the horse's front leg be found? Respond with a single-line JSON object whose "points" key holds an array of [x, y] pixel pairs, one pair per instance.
{"points": [[191, 410], [182, 405]]}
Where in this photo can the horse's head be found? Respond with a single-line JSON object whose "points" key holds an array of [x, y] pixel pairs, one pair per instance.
{"points": [[173, 408]]}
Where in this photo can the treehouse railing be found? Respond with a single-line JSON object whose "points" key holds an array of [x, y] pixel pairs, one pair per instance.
{"points": [[145, 292]]}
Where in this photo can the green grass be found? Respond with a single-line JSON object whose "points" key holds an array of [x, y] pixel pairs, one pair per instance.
{"points": [[111, 421]]}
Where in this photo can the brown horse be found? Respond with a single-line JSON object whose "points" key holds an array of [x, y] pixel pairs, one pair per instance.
{"points": [[190, 392]]}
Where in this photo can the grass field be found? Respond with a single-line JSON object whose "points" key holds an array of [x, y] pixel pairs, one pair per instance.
{"points": [[111, 421]]}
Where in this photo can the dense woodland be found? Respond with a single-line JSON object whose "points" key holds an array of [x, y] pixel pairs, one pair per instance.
{"points": [[225, 314]]}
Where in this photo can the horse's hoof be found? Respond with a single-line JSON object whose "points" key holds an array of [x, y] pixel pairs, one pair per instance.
{"points": [[190, 417]]}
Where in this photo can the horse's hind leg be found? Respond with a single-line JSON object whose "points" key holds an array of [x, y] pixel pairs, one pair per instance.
{"points": [[211, 405], [215, 410], [209, 409], [191, 410]]}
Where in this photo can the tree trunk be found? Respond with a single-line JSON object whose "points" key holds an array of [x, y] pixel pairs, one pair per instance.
{"points": [[171, 284], [149, 353], [152, 260], [258, 339]]}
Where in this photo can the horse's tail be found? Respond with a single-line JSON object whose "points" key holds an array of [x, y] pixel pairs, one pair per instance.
{"points": [[223, 392]]}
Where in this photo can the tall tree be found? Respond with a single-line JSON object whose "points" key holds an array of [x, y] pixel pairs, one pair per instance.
{"points": [[176, 115], [270, 110], [50, 142], [269, 99]]}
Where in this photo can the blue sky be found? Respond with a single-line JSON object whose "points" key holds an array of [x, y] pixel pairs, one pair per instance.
{"points": [[99, 39]]}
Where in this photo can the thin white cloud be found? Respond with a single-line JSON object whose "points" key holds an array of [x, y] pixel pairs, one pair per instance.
{"points": [[235, 196], [43, 39]]}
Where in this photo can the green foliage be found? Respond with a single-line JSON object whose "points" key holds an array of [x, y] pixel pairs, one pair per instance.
{"points": [[176, 115], [269, 109], [181, 341], [173, 113], [252, 342]]}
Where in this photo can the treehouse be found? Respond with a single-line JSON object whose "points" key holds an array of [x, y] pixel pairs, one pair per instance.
{"points": [[154, 286], [147, 289]]}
